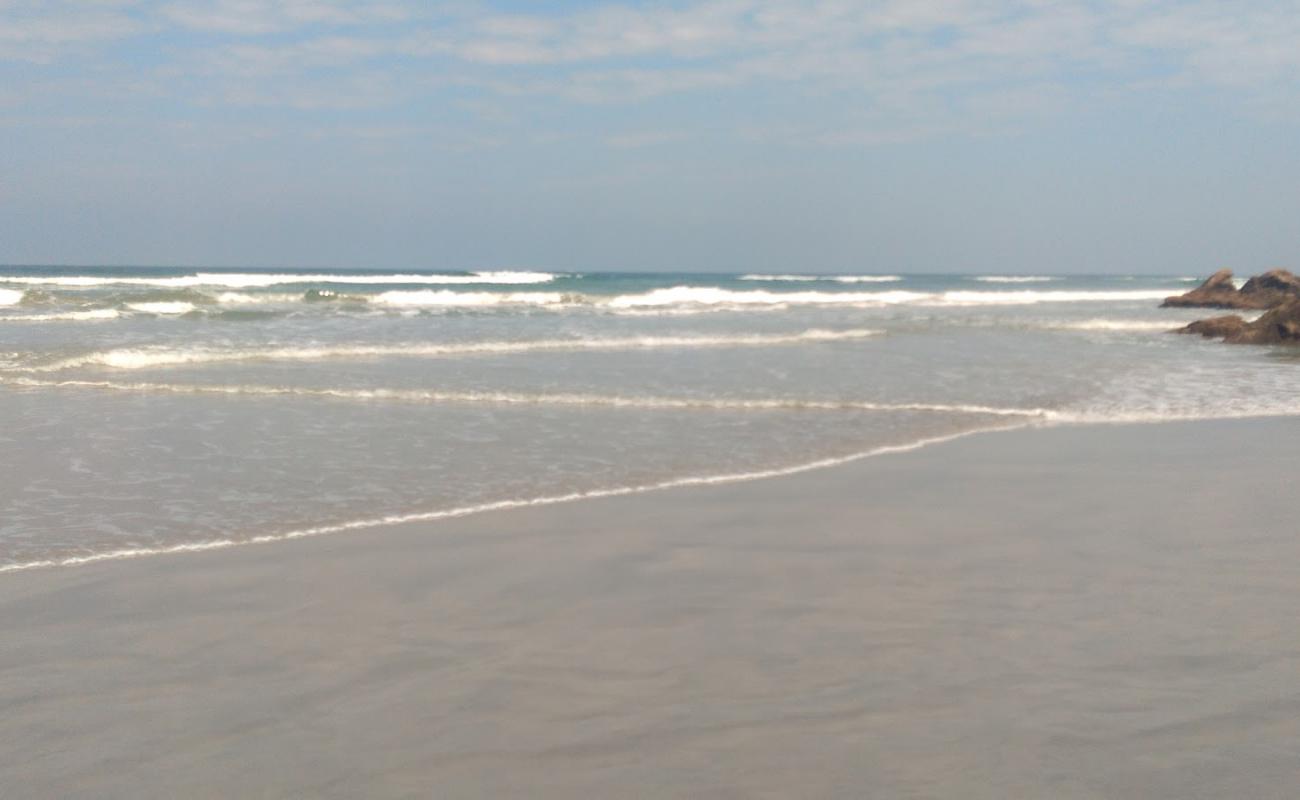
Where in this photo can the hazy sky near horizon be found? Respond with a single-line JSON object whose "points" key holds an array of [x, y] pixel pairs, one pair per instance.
{"points": [[901, 135]]}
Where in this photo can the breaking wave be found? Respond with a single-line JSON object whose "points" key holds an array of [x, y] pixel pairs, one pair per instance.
{"points": [[67, 316], [246, 280], [712, 295], [10, 297], [835, 278], [444, 297], [1117, 325], [166, 307], [146, 358], [1014, 279]]}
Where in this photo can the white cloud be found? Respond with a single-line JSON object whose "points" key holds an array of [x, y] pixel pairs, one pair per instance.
{"points": [[254, 17], [917, 60]]}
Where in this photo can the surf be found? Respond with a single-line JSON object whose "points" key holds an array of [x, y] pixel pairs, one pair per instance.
{"points": [[152, 357]]}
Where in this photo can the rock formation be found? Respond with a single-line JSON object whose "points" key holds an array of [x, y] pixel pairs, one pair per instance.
{"points": [[1280, 325], [1216, 327], [1218, 291], [1276, 291], [1259, 293]]}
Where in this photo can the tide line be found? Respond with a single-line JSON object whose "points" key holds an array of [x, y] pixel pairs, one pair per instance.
{"points": [[499, 505], [528, 398]]}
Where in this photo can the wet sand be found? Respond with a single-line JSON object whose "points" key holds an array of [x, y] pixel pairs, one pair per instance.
{"points": [[1091, 612]]}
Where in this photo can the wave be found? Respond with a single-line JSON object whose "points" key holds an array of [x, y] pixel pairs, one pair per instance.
{"points": [[246, 280], [242, 299], [145, 358], [498, 505], [1014, 279], [1032, 297], [548, 399], [1117, 325], [836, 278], [712, 295], [69, 316], [10, 297], [446, 297], [165, 307]]}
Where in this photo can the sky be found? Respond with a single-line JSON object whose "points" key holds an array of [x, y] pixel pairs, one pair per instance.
{"points": [[700, 135]]}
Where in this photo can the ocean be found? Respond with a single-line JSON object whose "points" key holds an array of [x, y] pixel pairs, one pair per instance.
{"points": [[155, 410]]}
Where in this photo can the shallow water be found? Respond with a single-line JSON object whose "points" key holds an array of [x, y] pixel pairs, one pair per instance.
{"points": [[147, 409]]}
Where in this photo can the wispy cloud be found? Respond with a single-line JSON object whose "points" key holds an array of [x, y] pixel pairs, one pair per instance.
{"points": [[990, 58]]}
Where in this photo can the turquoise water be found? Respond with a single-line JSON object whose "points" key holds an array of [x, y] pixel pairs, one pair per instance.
{"points": [[148, 409]]}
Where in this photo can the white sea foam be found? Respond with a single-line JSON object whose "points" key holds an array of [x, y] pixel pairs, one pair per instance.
{"points": [[499, 505], [444, 297], [10, 297], [166, 307], [541, 398], [835, 278], [246, 280], [145, 358], [713, 295], [1014, 279], [1117, 325], [1119, 416], [66, 316], [243, 299], [1033, 297]]}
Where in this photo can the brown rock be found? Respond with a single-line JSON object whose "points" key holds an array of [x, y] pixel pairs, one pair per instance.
{"points": [[1281, 325], [1216, 327], [1272, 288], [1217, 292], [1261, 292]]}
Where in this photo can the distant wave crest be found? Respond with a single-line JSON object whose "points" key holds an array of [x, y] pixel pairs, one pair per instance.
{"points": [[811, 278], [250, 280], [712, 295], [150, 357], [67, 316]]}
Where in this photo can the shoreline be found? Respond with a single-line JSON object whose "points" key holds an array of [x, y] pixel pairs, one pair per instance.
{"points": [[458, 512], [1050, 420], [1062, 611]]}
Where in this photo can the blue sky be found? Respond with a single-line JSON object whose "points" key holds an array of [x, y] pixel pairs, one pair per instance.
{"points": [[903, 135]]}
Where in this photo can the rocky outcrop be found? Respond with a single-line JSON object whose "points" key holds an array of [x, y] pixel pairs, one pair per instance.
{"points": [[1280, 325], [1217, 292], [1216, 327], [1259, 293], [1273, 288]]}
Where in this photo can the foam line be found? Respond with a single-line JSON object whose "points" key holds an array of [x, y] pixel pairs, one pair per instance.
{"points": [[1014, 279], [499, 505], [524, 398], [144, 358], [67, 316], [246, 280]]}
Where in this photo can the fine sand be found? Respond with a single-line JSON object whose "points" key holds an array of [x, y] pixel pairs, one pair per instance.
{"points": [[1101, 612]]}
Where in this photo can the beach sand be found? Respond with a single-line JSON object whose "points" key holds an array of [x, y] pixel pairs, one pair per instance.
{"points": [[1099, 612]]}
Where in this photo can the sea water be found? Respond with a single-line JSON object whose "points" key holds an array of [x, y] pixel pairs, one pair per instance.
{"points": [[154, 410]]}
